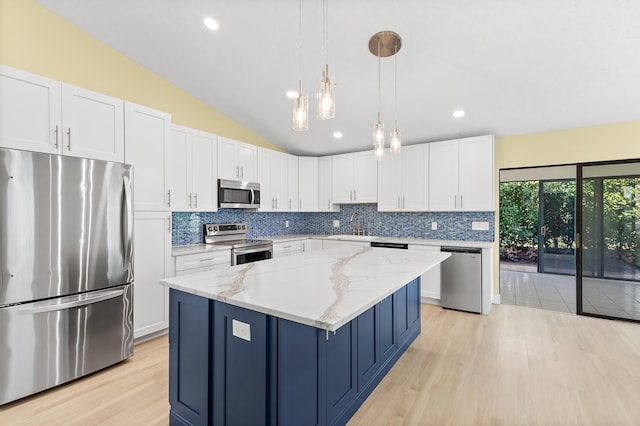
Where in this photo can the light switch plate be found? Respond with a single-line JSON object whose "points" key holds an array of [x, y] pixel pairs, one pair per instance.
{"points": [[479, 226], [241, 330], [286, 223], [336, 224], [434, 226]]}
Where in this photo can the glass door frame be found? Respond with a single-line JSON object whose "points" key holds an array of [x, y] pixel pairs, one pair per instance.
{"points": [[578, 234]]}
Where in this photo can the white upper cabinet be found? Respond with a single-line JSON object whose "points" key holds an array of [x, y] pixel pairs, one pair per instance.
{"points": [[192, 170], [461, 175], [30, 111], [355, 178], [237, 160], [292, 184], [92, 125], [403, 180], [325, 184], [45, 115], [147, 132], [272, 168], [308, 184], [476, 173]]}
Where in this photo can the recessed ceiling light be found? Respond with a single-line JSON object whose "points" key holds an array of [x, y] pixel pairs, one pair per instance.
{"points": [[337, 135], [459, 113], [291, 94], [211, 23]]}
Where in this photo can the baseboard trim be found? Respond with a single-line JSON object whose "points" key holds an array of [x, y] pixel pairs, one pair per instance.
{"points": [[429, 300], [496, 299]]}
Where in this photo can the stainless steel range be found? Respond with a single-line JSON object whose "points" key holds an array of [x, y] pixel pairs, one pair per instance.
{"points": [[234, 236]]}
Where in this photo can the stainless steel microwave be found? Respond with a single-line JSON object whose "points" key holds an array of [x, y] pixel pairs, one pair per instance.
{"points": [[234, 194]]}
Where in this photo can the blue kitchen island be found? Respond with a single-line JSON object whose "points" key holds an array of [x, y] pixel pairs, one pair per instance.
{"points": [[296, 341]]}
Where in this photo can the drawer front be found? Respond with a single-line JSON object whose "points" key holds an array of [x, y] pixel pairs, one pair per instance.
{"points": [[203, 260], [287, 248]]}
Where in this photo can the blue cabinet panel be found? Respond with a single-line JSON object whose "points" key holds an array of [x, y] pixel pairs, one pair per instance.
{"points": [[298, 363], [241, 376], [340, 369], [387, 336], [413, 295], [188, 358], [402, 319], [368, 341]]}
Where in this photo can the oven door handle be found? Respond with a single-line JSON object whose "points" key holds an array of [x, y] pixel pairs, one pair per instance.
{"points": [[248, 250]]}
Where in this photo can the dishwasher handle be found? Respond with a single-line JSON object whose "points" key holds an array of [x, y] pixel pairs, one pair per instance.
{"points": [[461, 250]]}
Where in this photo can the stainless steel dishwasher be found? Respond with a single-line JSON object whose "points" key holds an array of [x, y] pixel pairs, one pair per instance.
{"points": [[461, 275]]}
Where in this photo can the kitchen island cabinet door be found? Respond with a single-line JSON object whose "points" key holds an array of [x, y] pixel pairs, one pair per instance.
{"points": [[241, 366], [189, 336], [340, 369]]}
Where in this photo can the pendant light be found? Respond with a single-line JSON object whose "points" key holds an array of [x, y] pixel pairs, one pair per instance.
{"points": [[326, 95], [384, 44], [395, 144], [300, 102]]}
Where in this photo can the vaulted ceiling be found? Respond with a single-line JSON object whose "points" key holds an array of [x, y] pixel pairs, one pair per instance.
{"points": [[514, 67]]}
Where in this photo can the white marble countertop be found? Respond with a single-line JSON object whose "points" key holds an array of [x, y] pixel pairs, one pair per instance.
{"points": [[321, 288], [201, 248]]}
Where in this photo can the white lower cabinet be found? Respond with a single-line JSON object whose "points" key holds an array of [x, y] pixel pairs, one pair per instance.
{"points": [[430, 280], [152, 262], [202, 262], [286, 248]]}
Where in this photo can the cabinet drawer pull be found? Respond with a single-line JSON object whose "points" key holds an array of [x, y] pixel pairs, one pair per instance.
{"points": [[69, 139], [57, 132]]}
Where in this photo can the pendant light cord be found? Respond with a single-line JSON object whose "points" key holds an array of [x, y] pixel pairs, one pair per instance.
{"points": [[395, 84], [300, 49], [379, 91]]}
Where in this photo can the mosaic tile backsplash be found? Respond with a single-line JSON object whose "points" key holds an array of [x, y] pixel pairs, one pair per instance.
{"points": [[188, 227]]}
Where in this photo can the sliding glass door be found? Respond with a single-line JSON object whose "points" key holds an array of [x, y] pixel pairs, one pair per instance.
{"points": [[609, 240], [556, 249]]}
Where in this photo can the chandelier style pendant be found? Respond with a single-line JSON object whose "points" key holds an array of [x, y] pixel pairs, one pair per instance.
{"points": [[384, 44]]}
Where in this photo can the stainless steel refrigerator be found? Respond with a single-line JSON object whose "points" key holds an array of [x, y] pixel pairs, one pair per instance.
{"points": [[66, 269]]}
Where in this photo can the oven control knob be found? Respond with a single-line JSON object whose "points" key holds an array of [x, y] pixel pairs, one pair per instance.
{"points": [[209, 228], [244, 227], [215, 228]]}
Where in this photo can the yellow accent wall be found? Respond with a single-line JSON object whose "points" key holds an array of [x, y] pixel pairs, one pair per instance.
{"points": [[570, 146], [36, 40]]}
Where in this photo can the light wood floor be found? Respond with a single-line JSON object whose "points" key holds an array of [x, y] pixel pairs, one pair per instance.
{"points": [[518, 365]]}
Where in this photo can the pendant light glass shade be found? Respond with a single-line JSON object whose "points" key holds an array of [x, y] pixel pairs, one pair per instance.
{"points": [[301, 112], [378, 133], [395, 144], [326, 96], [379, 151]]}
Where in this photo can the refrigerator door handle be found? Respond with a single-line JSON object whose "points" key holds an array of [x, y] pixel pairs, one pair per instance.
{"points": [[67, 302], [127, 223]]}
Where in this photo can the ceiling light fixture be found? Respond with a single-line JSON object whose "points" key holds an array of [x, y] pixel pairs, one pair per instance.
{"points": [[383, 44], [337, 135], [326, 95], [301, 102], [211, 23], [459, 113], [292, 94]]}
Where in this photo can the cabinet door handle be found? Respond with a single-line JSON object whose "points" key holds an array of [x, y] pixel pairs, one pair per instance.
{"points": [[237, 171], [398, 202], [299, 204], [351, 195], [455, 201], [69, 139], [57, 133], [242, 171], [196, 196], [328, 204], [461, 204], [169, 197], [355, 197], [289, 204], [404, 205]]}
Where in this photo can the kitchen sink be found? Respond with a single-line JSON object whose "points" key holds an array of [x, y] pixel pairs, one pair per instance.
{"points": [[354, 237]]}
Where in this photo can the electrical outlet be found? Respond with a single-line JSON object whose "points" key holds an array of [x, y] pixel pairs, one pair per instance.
{"points": [[286, 223], [241, 330], [434, 226], [336, 224]]}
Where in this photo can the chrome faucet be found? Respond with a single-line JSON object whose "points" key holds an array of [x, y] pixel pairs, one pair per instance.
{"points": [[356, 231]]}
